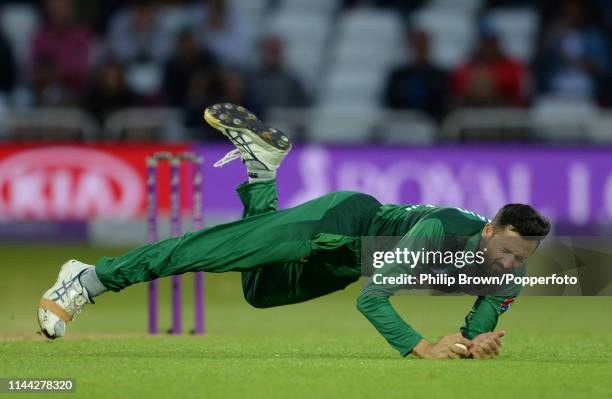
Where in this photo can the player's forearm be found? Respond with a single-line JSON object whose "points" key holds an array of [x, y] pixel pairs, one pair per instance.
{"points": [[483, 316], [378, 310]]}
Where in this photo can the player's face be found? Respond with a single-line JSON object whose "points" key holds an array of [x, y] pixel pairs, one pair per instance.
{"points": [[505, 250]]}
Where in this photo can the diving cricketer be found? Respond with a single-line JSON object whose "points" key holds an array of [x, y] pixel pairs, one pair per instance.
{"points": [[293, 255]]}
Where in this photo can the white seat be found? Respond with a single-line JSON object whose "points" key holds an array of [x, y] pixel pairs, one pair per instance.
{"points": [[371, 26], [342, 124], [452, 34], [251, 8], [354, 52], [354, 86], [295, 26], [19, 22], [320, 7], [601, 128], [517, 28], [444, 21], [304, 38], [407, 127], [51, 123], [514, 20], [145, 123], [462, 5], [490, 124], [304, 60], [563, 119]]}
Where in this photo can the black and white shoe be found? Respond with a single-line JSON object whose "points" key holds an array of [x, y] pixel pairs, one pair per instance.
{"points": [[261, 148]]}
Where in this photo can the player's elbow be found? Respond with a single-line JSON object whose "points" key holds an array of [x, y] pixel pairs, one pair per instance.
{"points": [[371, 301], [363, 303]]}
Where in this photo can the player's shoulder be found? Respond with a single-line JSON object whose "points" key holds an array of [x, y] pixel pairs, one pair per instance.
{"points": [[459, 214], [457, 220]]}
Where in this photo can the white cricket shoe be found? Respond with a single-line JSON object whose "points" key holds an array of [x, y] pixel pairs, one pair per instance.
{"points": [[262, 148], [63, 301]]}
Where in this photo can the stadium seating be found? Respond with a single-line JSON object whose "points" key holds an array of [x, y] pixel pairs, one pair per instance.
{"points": [[452, 33], [365, 48], [600, 128], [141, 124], [461, 5], [354, 87], [342, 124], [305, 37], [406, 127], [517, 28], [490, 124], [318, 7], [19, 23], [343, 57], [563, 119], [51, 124]]}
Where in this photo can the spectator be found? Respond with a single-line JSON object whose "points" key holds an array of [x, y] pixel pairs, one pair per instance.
{"points": [[65, 44], [490, 77], [8, 69], [272, 85], [137, 35], [187, 61], [574, 58], [109, 92], [225, 85], [48, 88], [222, 31], [418, 84]]}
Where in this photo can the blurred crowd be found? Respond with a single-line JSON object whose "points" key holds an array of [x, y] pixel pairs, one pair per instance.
{"points": [[572, 60], [108, 55]]}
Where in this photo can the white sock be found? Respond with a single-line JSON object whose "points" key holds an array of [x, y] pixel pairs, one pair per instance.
{"points": [[90, 281], [259, 176]]}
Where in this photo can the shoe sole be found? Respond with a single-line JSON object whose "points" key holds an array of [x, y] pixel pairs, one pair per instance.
{"points": [[227, 116]]}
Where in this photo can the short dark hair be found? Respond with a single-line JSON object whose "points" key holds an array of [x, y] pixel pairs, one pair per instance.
{"points": [[524, 220]]}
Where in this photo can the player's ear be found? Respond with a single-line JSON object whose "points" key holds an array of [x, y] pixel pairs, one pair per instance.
{"points": [[487, 231]]}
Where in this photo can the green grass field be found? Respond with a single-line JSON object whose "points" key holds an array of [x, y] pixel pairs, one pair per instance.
{"points": [[555, 347]]}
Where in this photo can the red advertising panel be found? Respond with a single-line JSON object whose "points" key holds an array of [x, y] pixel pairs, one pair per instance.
{"points": [[76, 182]]}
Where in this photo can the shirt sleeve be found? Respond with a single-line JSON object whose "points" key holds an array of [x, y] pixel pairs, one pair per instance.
{"points": [[484, 314], [373, 301]]}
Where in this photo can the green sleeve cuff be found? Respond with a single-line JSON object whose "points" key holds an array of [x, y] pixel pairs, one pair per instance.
{"points": [[484, 315]]}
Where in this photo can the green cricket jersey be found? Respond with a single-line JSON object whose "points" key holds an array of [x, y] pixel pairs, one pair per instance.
{"points": [[427, 227]]}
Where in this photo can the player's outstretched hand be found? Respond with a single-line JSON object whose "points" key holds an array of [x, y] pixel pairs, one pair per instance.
{"points": [[487, 345], [445, 348]]}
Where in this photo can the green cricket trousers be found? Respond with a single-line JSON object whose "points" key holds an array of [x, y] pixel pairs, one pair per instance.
{"points": [[285, 256]]}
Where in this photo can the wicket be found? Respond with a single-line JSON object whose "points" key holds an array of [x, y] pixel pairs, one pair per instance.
{"points": [[175, 161]]}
